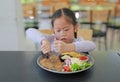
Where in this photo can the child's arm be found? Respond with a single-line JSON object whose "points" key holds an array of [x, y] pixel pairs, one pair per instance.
{"points": [[84, 45], [45, 47], [42, 40], [34, 35], [79, 45], [60, 46]]}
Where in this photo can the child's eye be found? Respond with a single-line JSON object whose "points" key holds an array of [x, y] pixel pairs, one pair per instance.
{"points": [[66, 29], [57, 30]]}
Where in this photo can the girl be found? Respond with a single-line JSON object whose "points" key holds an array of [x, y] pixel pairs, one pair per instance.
{"points": [[64, 38]]}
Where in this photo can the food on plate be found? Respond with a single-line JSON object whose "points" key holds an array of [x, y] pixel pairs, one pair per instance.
{"points": [[46, 63], [67, 68], [53, 62], [66, 62], [64, 57], [84, 58], [73, 54], [75, 64]]}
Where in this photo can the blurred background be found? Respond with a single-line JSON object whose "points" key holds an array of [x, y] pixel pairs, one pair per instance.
{"points": [[16, 16]]}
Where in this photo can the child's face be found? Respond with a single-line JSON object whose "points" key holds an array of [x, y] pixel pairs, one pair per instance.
{"points": [[64, 30]]}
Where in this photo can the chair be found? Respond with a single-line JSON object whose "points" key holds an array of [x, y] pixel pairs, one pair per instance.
{"points": [[29, 10], [85, 18], [30, 14], [46, 31], [59, 5], [114, 24], [98, 21], [85, 33]]}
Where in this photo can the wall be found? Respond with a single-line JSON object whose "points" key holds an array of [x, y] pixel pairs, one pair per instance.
{"points": [[11, 26]]}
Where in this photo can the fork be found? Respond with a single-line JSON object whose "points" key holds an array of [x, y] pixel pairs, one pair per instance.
{"points": [[45, 55], [118, 53]]}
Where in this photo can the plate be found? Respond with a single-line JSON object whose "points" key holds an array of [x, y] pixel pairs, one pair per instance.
{"points": [[91, 60]]}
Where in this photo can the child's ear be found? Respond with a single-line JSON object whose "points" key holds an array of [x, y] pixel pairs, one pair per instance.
{"points": [[77, 27]]}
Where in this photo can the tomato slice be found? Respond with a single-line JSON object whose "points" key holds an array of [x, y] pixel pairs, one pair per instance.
{"points": [[83, 57], [67, 68]]}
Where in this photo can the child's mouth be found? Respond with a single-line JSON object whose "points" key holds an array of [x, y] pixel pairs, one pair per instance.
{"points": [[63, 39]]}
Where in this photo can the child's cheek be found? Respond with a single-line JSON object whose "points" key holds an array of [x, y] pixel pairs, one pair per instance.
{"points": [[57, 36]]}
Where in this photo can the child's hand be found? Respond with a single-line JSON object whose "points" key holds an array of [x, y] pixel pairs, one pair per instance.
{"points": [[60, 46], [45, 47]]}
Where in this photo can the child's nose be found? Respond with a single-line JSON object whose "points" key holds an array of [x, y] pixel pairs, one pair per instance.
{"points": [[62, 32]]}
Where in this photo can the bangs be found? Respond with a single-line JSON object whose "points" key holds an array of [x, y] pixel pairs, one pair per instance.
{"points": [[68, 19]]}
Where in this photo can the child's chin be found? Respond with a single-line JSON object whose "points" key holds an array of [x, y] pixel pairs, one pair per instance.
{"points": [[66, 41]]}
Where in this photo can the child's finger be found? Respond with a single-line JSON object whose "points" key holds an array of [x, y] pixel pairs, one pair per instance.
{"points": [[43, 46], [55, 39], [45, 50], [55, 43]]}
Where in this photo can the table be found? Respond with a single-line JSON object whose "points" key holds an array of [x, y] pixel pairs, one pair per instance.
{"points": [[19, 66]]}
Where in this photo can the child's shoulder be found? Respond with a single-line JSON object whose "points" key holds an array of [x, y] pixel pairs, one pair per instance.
{"points": [[79, 39]]}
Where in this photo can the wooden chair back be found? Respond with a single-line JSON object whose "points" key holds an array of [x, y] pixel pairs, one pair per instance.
{"points": [[56, 6], [29, 9], [85, 33]]}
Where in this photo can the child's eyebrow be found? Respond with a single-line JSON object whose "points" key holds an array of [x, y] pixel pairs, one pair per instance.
{"points": [[66, 26], [57, 28], [60, 27], [63, 27]]}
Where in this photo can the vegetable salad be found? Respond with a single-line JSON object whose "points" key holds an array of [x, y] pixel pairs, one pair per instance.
{"points": [[75, 63]]}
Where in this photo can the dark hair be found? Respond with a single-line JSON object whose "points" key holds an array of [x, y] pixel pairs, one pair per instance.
{"points": [[67, 13]]}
